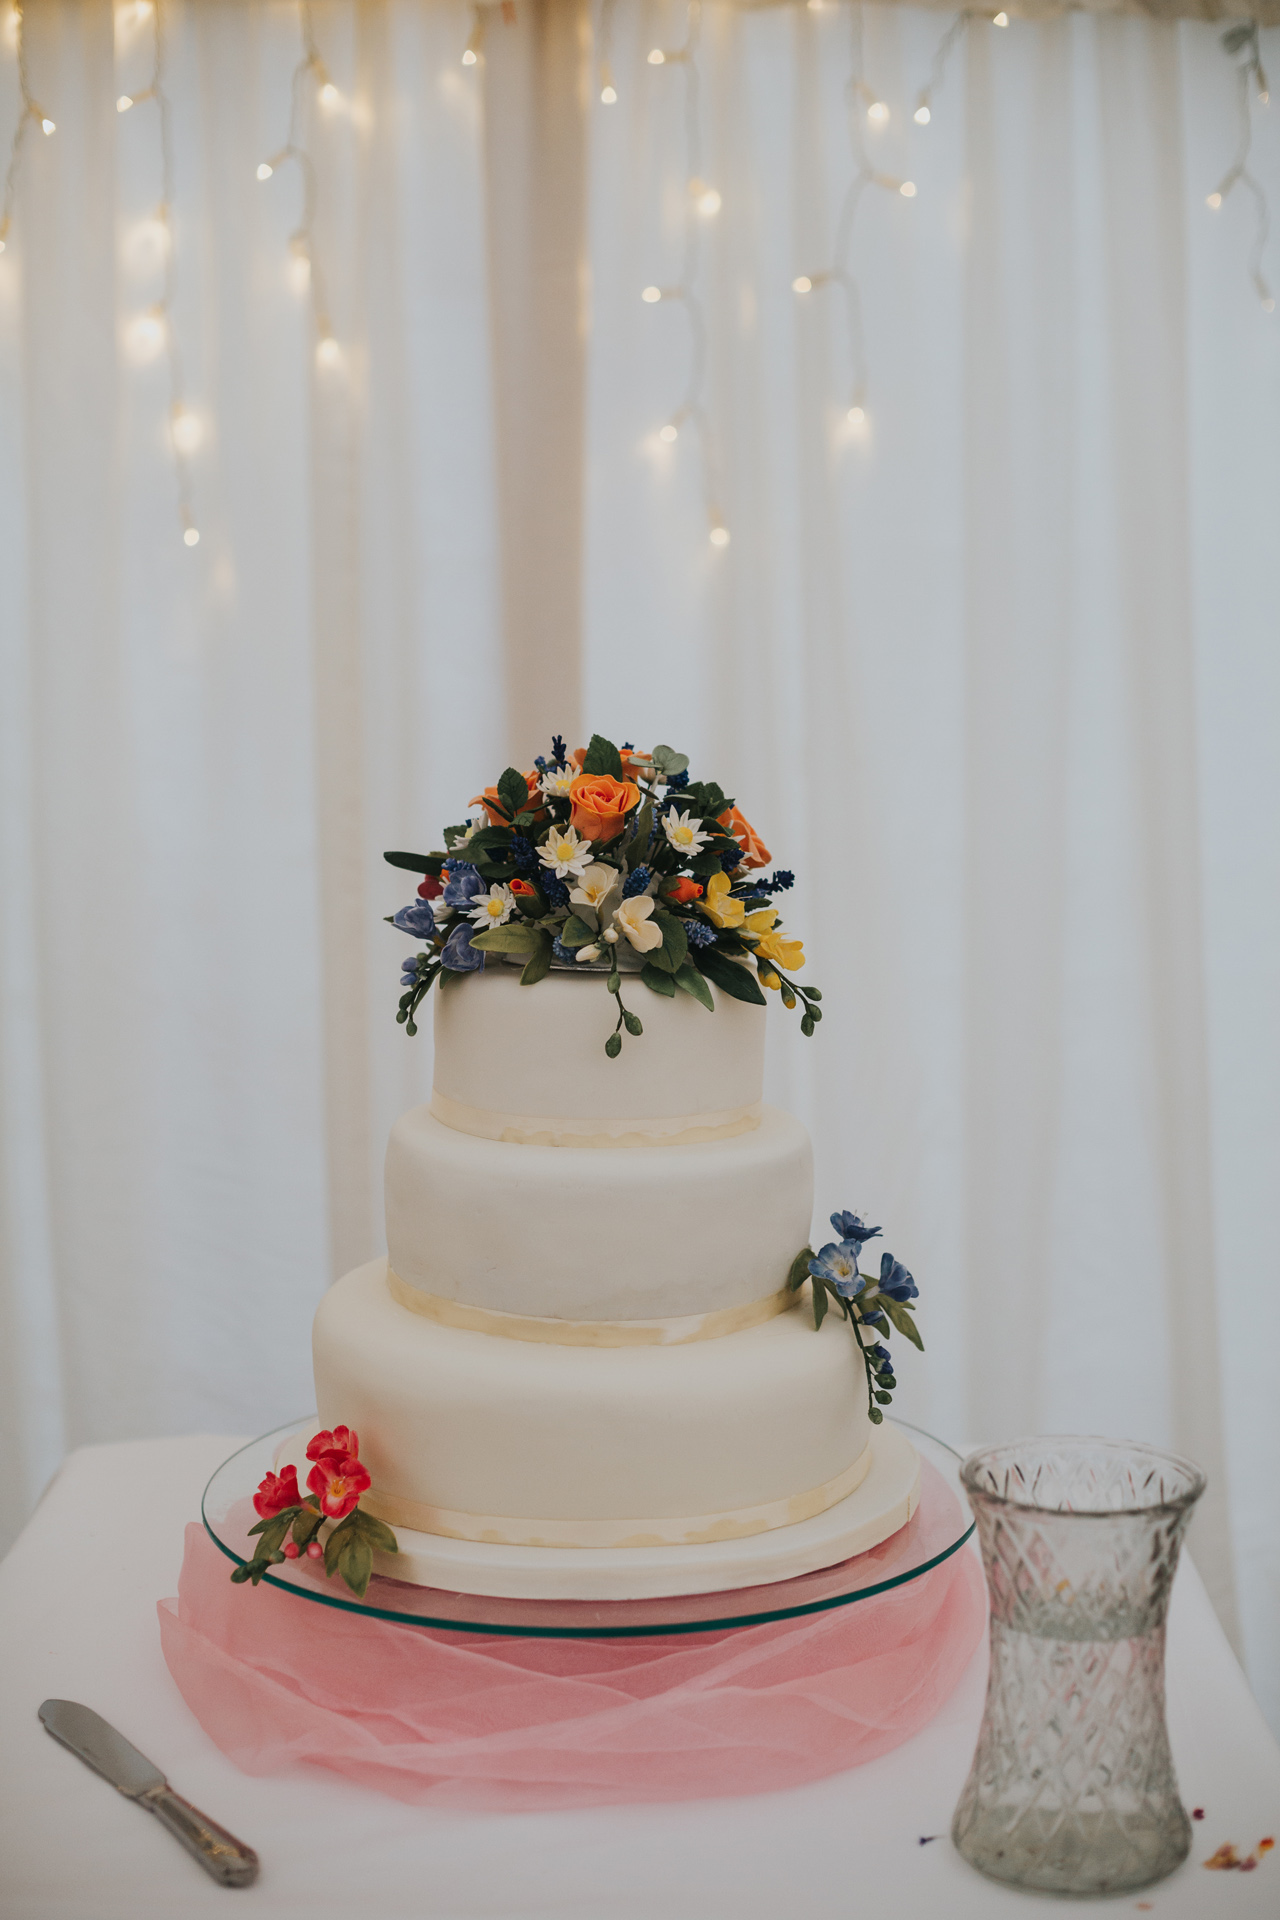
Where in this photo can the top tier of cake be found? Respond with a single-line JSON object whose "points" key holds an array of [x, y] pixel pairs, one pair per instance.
{"points": [[528, 1066]]}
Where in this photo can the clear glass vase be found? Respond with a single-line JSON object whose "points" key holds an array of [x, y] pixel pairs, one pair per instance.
{"points": [[1072, 1789]]}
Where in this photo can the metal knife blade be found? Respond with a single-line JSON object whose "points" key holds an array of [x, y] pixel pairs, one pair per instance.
{"points": [[96, 1742]]}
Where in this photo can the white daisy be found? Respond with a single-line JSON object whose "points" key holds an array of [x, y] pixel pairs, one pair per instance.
{"points": [[633, 919], [495, 908], [684, 833], [565, 853], [556, 782]]}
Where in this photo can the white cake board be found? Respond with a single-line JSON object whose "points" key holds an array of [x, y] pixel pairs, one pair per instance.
{"points": [[884, 1501]]}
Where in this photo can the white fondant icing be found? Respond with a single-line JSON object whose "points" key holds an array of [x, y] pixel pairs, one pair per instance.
{"points": [[454, 1419], [570, 1234], [545, 1130], [675, 1332], [539, 1051]]}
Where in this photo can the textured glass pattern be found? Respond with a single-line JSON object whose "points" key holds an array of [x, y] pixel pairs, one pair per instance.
{"points": [[1072, 1788]]}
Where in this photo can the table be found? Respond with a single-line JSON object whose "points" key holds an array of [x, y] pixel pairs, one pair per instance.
{"points": [[77, 1618]]}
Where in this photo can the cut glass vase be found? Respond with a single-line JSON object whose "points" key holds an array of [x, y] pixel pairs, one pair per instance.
{"points": [[1072, 1789]]}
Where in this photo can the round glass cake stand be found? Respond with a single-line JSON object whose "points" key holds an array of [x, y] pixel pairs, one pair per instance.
{"points": [[939, 1527]]}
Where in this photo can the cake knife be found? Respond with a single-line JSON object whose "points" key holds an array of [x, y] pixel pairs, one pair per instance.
{"points": [[98, 1744]]}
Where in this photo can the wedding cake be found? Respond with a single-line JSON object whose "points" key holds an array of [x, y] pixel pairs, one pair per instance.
{"points": [[593, 1362]]}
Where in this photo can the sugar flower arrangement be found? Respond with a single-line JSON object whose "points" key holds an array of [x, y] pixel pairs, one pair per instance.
{"points": [[613, 860], [290, 1524], [869, 1305]]}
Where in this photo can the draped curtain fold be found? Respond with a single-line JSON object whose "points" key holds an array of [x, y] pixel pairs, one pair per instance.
{"points": [[990, 664]]}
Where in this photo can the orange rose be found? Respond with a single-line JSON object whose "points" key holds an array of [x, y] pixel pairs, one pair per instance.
{"points": [[757, 854], [601, 804], [493, 806], [683, 890]]}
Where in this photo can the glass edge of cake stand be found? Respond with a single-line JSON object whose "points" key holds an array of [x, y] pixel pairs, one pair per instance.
{"points": [[769, 1600]]}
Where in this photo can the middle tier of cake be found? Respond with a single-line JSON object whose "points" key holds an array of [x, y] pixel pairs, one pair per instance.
{"points": [[497, 1437], [573, 1233]]}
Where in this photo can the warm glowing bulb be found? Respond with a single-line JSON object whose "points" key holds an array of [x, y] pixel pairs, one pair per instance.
{"points": [[719, 536], [328, 352], [142, 8], [922, 115], [908, 189], [470, 57], [328, 93], [187, 431], [124, 103], [146, 336], [265, 170], [1264, 98], [669, 432], [191, 537], [878, 111], [3, 245], [708, 202], [857, 416], [1268, 305], [49, 126], [1214, 200], [657, 58], [1000, 20], [802, 284], [652, 295], [608, 95]]}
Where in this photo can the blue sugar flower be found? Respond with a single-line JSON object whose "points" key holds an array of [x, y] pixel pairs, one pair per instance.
{"points": [[880, 1358], [562, 952], [895, 1281], [463, 884], [699, 934], [409, 975], [849, 1227], [731, 860], [636, 882], [558, 754], [416, 919], [838, 1266], [459, 954], [782, 881], [676, 782], [556, 891], [522, 852], [628, 746]]}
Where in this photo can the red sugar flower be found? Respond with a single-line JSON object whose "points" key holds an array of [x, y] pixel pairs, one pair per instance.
{"points": [[341, 1440], [338, 1480], [521, 888], [430, 889], [276, 1492]]}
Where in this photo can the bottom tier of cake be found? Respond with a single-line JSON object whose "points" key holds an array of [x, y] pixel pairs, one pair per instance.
{"points": [[512, 1465]]}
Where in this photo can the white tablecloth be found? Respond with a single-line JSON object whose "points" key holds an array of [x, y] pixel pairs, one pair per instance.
{"points": [[77, 1619]]}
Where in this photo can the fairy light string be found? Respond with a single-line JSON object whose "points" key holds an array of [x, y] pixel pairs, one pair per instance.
{"points": [[1251, 85], [702, 202], [310, 76], [604, 55], [32, 115], [862, 103], [942, 54]]}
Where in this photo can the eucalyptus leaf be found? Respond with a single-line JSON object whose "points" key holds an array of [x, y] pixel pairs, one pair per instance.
{"points": [[687, 976], [732, 979], [515, 937], [799, 1271], [603, 757], [660, 982], [668, 761], [538, 965]]}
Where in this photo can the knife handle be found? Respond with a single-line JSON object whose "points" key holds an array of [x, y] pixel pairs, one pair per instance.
{"points": [[219, 1852]]}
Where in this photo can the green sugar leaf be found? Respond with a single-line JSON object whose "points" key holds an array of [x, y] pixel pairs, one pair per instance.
{"points": [[576, 933], [538, 965], [726, 974], [688, 977], [658, 981], [515, 937], [799, 1270], [513, 791], [603, 757]]}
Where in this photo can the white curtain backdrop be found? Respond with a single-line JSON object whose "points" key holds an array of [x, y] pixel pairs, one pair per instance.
{"points": [[995, 671]]}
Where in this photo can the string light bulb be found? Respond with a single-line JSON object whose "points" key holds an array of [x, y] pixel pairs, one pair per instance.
{"points": [[328, 352], [669, 433], [719, 534], [608, 92], [124, 103], [908, 189], [48, 125], [188, 432], [469, 57], [1213, 200], [705, 198], [191, 538], [328, 93], [802, 284], [878, 112], [265, 169], [147, 335], [1000, 20], [657, 58], [471, 52], [922, 115], [651, 295]]}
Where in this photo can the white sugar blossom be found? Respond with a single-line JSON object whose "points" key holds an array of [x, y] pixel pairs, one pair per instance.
{"points": [[587, 953], [440, 910], [556, 781], [633, 918], [495, 908], [565, 853], [684, 833], [472, 826], [595, 884]]}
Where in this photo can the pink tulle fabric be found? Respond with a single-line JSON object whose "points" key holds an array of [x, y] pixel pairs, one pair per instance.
{"points": [[497, 1723]]}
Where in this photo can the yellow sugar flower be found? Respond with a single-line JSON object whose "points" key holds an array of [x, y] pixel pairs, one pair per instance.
{"points": [[782, 950], [719, 908], [768, 979], [762, 921]]}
